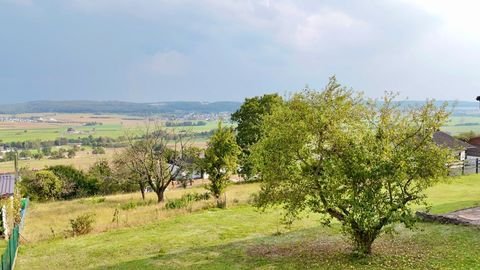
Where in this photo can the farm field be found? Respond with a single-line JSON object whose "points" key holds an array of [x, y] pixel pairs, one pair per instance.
{"points": [[239, 237], [83, 160], [459, 124], [112, 126]]}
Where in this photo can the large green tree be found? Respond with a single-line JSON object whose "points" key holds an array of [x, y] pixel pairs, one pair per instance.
{"points": [[221, 160], [362, 163], [249, 119]]}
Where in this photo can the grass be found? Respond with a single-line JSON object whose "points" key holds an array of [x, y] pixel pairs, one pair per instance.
{"points": [[240, 237], [456, 193], [51, 219], [82, 160]]}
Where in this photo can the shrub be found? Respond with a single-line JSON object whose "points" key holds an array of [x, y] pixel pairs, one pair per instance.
{"points": [[128, 206], [41, 185], [82, 224], [186, 200]]}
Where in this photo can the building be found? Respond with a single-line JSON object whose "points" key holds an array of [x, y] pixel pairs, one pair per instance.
{"points": [[460, 148], [7, 191]]}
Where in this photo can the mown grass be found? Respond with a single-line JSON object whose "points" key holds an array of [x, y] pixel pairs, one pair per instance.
{"points": [[454, 194], [241, 237]]}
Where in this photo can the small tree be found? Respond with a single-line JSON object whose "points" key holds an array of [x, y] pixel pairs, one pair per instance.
{"points": [[221, 159], [71, 153], [361, 163], [103, 176], [126, 175], [158, 157]]}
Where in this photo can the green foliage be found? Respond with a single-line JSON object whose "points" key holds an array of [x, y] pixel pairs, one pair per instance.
{"points": [[71, 153], [75, 182], [41, 185], [249, 118], [102, 174], [361, 163], [128, 206], [82, 224], [221, 159], [186, 200], [98, 150]]}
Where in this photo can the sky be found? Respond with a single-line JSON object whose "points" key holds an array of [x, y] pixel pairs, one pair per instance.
{"points": [[218, 50]]}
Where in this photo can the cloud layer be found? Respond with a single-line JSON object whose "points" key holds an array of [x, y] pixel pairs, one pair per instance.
{"points": [[146, 50]]}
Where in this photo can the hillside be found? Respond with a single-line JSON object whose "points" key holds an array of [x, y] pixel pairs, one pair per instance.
{"points": [[85, 106]]}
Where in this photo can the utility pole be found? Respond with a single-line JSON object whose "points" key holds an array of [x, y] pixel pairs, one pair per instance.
{"points": [[15, 162]]}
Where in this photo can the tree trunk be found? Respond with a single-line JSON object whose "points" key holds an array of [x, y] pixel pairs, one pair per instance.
{"points": [[160, 196], [142, 189], [363, 241]]}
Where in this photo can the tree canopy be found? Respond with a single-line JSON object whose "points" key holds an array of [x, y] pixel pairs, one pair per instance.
{"points": [[249, 118], [354, 160], [221, 159]]}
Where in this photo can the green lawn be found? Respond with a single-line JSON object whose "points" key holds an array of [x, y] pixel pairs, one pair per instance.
{"points": [[243, 238]]}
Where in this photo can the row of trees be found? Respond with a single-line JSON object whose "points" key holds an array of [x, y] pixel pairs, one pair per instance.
{"points": [[66, 182]]}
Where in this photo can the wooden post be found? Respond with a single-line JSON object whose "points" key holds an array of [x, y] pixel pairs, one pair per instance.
{"points": [[463, 168], [476, 165]]}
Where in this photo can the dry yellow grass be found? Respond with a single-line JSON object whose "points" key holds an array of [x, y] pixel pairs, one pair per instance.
{"points": [[52, 219], [83, 160]]}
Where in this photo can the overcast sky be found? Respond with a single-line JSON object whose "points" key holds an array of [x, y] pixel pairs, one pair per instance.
{"points": [[211, 50]]}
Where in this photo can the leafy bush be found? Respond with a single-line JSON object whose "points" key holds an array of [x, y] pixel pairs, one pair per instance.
{"points": [[41, 185], [186, 200], [128, 206], [82, 224], [132, 204]]}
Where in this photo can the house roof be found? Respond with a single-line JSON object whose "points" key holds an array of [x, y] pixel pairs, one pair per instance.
{"points": [[7, 184], [474, 141], [443, 139]]}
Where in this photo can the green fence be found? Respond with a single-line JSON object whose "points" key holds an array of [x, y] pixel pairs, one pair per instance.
{"points": [[8, 257]]}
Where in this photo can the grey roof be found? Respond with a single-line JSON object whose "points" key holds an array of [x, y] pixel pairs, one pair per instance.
{"points": [[443, 139], [7, 184]]}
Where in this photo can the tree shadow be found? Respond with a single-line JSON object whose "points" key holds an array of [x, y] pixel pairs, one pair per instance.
{"points": [[303, 249]]}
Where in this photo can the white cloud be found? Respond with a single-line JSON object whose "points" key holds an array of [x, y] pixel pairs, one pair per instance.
{"points": [[460, 18]]}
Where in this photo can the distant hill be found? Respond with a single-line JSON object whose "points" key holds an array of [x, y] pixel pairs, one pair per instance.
{"points": [[85, 106], [175, 107]]}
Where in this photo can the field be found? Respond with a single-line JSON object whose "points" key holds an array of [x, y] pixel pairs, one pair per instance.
{"points": [[83, 160], [112, 126], [241, 237], [458, 124]]}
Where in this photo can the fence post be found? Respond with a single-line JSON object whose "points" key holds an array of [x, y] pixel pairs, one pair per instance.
{"points": [[476, 165], [463, 168]]}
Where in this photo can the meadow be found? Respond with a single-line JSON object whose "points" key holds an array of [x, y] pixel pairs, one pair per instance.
{"points": [[82, 160], [241, 237]]}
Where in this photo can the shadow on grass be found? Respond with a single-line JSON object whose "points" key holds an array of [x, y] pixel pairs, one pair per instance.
{"points": [[303, 249]]}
